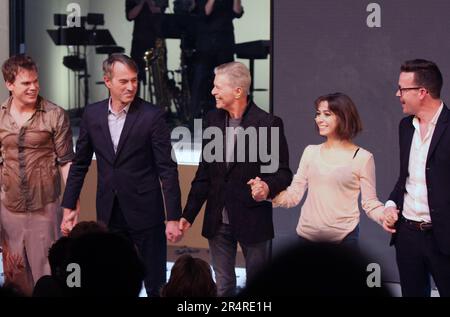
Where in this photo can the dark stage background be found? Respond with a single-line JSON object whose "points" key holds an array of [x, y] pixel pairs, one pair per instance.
{"points": [[324, 46]]}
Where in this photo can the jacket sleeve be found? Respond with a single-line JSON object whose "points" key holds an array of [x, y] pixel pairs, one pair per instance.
{"points": [[279, 179], [199, 189], [291, 196], [80, 165], [129, 5], [369, 200], [399, 188], [167, 167]]}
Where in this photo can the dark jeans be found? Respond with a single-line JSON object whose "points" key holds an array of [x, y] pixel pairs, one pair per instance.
{"points": [[223, 248], [351, 240], [152, 247], [418, 257]]}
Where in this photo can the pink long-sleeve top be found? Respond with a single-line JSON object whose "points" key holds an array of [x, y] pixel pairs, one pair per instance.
{"points": [[331, 211]]}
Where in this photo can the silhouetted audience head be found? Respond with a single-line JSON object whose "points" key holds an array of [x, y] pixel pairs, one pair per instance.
{"points": [[109, 266], [316, 269], [85, 227], [9, 291], [54, 285], [190, 277], [57, 255]]}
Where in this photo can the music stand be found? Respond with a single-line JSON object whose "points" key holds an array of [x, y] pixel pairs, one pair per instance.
{"points": [[69, 36], [78, 36], [253, 50], [100, 37]]}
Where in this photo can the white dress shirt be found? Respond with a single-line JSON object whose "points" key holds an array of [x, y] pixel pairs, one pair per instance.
{"points": [[115, 123], [415, 206]]}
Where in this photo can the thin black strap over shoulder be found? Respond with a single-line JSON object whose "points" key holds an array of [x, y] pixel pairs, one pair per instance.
{"points": [[356, 152]]}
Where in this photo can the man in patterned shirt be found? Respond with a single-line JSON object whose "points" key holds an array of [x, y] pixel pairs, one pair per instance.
{"points": [[36, 148]]}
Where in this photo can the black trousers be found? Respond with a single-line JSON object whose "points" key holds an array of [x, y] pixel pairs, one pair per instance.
{"points": [[418, 258], [152, 246]]}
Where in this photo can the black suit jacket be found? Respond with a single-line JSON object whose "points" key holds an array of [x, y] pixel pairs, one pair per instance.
{"points": [[221, 186], [437, 175], [134, 173]]}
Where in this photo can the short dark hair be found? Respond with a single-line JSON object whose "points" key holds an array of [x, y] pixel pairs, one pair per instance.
{"points": [[190, 277], [349, 122], [120, 58], [426, 74], [85, 227], [57, 256], [110, 265], [12, 66]]}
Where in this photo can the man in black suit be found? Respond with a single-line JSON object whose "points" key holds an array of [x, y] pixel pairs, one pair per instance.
{"points": [[232, 216], [421, 225], [133, 151]]}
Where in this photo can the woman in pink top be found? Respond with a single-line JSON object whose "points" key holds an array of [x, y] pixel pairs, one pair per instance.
{"points": [[335, 173]]}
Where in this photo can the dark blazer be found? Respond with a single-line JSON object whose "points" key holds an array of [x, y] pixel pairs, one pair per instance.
{"points": [[437, 176], [133, 174], [220, 186]]}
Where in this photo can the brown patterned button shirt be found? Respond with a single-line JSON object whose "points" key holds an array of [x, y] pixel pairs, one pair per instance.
{"points": [[31, 154]]}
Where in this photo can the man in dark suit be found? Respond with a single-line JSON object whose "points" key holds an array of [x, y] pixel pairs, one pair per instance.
{"points": [[133, 151], [232, 216], [421, 225]]}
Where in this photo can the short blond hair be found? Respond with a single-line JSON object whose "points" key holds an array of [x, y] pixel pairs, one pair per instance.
{"points": [[237, 73]]}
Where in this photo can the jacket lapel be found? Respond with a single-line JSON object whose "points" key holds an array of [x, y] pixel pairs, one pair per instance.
{"points": [[132, 115], [406, 145], [441, 125], [105, 128], [221, 124]]}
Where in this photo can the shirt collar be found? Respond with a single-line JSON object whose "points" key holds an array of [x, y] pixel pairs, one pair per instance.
{"points": [[433, 121], [437, 114], [40, 104], [110, 110]]}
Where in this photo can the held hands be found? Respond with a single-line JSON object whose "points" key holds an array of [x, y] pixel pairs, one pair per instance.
{"points": [[184, 225], [390, 217], [70, 219], [260, 190], [173, 232]]}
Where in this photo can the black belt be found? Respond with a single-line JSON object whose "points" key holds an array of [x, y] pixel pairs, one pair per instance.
{"points": [[418, 225]]}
